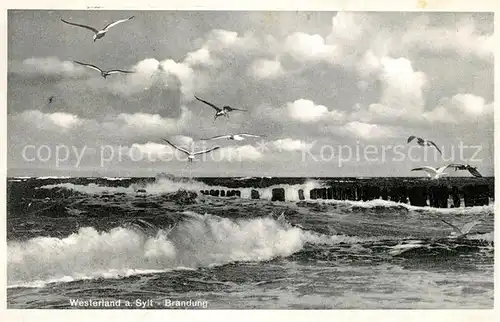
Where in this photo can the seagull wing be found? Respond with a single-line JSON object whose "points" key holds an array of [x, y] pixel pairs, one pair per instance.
{"points": [[441, 169], [115, 23], [89, 65], [474, 172], [229, 108], [249, 135], [455, 228], [429, 170], [175, 146], [119, 71], [434, 144], [206, 151], [457, 166], [79, 25], [466, 228], [410, 138], [215, 107], [218, 137]]}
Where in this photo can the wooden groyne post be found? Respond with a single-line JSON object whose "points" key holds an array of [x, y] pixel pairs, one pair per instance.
{"points": [[419, 192]]}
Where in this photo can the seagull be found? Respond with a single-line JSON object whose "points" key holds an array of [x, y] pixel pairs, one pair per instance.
{"points": [[104, 73], [461, 232], [224, 111], [98, 34], [471, 169], [191, 155], [433, 173], [236, 137], [51, 99], [423, 142]]}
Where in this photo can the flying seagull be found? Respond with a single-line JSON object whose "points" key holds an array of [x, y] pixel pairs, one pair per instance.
{"points": [[191, 155], [433, 173], [471, 169], [423, 142], [224, 111], [461, 232], [98, 34], [104, 73], [236, 137]]}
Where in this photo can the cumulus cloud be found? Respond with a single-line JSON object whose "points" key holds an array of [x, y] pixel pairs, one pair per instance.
{"points": [[460, 108], [240, 153], [121, 125], [289, 144], [219, 40], [367, 131], [306, 47], [47, 66], [200, 57], [183, 140], [348, 27], [147, 120], [149, 151], [144, 123], [306, 111], [464, 38], [402, 93], [58, 121], [265, 68]]}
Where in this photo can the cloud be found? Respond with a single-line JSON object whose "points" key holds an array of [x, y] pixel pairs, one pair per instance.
{"points": [[219, 41], [264, 68], [461, 108], [306, 111], [58, 121], [145, 120], [240, 153], [123, 125], [348, 27], [189, 75], [402, 91], [152, 124], [305, 47], [200, 57], [367, 131], [183, 140], [46, 66], [463, 38], [130, 84], [289, 144], [149, 151]]}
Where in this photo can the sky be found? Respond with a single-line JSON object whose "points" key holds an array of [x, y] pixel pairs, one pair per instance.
{"points": [[330, 93]]}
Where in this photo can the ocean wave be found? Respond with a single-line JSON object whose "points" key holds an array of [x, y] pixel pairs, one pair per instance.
{"points": [[166, 185], [116, 178], [198, 241], [52, 177], [380, 203]]}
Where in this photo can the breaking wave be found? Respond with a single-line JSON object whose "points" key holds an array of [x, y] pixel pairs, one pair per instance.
{"points": [[198, 241], [164, 185]]}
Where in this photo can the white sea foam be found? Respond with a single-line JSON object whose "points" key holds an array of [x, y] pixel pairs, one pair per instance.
{"points": [[166, 185], [52, 177], [199, 241]]}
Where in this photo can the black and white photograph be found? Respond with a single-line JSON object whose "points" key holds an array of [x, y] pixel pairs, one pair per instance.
{"points": [[210, 159]]}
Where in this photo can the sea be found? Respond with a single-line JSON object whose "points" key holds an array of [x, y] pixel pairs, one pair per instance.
{"points": [[158, 243]]}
